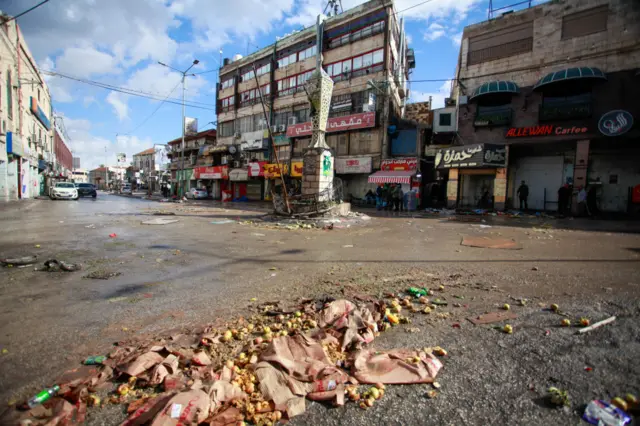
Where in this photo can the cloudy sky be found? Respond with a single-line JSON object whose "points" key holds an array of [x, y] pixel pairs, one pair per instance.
{"points": [[119, 42]]}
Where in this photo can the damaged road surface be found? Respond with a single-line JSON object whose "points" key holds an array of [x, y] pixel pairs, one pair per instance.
{"points": [[178, 327]]}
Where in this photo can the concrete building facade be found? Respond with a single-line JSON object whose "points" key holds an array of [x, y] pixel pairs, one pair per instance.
{"points": [[26, 135], [547, 95], [364, 50]]}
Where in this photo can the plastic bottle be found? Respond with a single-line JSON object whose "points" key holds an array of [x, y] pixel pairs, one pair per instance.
{"points": [[43, 396], [94, 360]]}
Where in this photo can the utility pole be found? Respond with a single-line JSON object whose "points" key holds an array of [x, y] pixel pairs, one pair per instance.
{"points": [[184, 75], [106, 169]]}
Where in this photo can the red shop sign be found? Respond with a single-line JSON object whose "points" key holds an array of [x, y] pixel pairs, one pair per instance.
{"points": [[256, 168], [545, 130], [400, 164], [215, 172], [336, 124]]}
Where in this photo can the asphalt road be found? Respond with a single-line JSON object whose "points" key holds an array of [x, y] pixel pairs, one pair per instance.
{"points": [[195, 271]]}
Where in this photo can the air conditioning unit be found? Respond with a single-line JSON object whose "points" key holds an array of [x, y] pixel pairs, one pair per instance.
{"points": [[292, 120], [463, 99], [274, 128], [237, 135], [282, 128], [236, 164]]}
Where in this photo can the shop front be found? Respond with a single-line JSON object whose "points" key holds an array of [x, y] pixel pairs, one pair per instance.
{"points": [[354, 172], [214, 178], [256, 183], [477, 175], [274, 174], [15, 171], [238, 179], [294, 185]]}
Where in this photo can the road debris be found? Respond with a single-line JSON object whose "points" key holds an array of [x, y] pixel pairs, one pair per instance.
{"points": [[258, 369], [159, 221], [596, 325], [15, 261], [43, 396], [112, 235], [490, 242], [102, 275], [558, 397], [602, 413], [221, 222], [53, 265]]}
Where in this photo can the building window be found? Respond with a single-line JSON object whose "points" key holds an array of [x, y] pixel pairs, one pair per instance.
{"points": [[263, 69], [444, 119], [356, 35], [284, 152], [293, 84], [38, 95], [501, 44], [307, 53], [247, 76], [367, 63], [9, 96], [287, 60], [252, 96], [299, 146], [585, 22], [226, 104], [226, 129], [565, 107], [227, 83]]}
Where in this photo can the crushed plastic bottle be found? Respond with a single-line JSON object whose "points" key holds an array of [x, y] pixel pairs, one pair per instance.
{"points": [[95, 360], [417, 292], [43, 396]]}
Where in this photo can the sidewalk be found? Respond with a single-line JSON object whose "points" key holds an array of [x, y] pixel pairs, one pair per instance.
{"points": [[260, 206]]}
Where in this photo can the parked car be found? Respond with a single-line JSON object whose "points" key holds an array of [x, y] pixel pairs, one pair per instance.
{"points": [[63, 191], [86, 190], [126, 189], [197, 193]]}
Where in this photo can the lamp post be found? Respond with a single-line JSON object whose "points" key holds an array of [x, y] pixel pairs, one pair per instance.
{"points": [[184, 75]]}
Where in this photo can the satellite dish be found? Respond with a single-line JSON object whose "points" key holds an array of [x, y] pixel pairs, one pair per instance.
{"points": [[237, 57], [232, 149]]}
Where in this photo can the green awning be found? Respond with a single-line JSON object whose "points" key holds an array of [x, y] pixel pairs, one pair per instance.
{"points": [[571, 74], [491, 87]]}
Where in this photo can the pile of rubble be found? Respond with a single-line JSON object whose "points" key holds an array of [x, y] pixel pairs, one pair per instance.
{"points": [[258, 369]]}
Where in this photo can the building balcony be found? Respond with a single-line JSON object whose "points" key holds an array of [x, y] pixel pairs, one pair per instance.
{"points": [[569, 110], [493, 116]]}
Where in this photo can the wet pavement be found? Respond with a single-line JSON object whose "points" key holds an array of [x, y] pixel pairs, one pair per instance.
{"points": [[195, 271]]}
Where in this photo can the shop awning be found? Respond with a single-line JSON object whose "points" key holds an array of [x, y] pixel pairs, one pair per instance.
{"points": [[385, 176], [571, 74], [491, 87]]}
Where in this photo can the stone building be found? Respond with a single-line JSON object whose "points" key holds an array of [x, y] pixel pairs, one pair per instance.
{"points": [[364, 51], [26, 134], [547, 95]]}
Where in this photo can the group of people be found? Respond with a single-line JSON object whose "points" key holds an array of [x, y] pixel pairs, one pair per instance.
{"points": [[586, 198], [388, 197]]}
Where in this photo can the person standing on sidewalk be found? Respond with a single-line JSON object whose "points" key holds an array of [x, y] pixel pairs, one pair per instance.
{"points": [[523, 194], [397, 198]]}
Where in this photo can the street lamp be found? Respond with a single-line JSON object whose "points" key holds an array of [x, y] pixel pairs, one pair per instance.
{"points": [[184, 75]]}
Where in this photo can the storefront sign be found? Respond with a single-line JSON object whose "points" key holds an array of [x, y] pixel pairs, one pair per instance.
{"points": [[254, 145], [273, 171], [296, 168], [353, 165], [336, 124], [39, 113], [219, 149], [256, 168], [615, 123], [280, 140], [238, 175], [544, 130], [14, 144], [215, 172], [400, 164], [478, 155]]}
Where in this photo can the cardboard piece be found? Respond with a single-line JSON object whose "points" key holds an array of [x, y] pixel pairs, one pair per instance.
{"points": [[490, 242], [195, 406], [142, 363], [391, 367]]}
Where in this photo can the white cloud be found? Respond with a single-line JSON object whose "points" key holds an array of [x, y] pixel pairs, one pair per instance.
{"points": [[409, 39], [88, 100], [120, 107], [437, 97], [95, 150], [86, 61], [434, 32], [457, 39]]}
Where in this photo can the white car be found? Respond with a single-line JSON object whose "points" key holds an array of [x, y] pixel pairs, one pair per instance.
{"points": [[63, 190], [126, 189], [196, 193]]}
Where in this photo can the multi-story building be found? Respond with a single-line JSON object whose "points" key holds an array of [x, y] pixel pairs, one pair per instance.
{"points": [[63, 164], [547, 95], [80, 175], [26, 138], [364, 51], [148, 165], [108, 177], [199, 153]]}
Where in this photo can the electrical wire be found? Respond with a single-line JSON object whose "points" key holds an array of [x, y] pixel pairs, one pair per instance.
{"points": [[154, 111], [26, 11]]}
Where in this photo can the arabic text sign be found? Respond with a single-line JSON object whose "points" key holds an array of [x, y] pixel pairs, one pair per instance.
{"points": [[272, 170], [400, 164], [238, 175], [215, 172], [296, 168], [353, 165], [336, 124], [615, 123]]}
